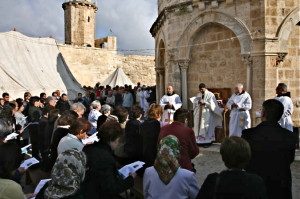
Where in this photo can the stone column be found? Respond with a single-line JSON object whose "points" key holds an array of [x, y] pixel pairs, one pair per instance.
{"points": [[184, 65], [161, 82], [248, 61], [157, 86]]}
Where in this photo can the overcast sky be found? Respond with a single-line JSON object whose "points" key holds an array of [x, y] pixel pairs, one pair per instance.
{"points": [[130, 20]]}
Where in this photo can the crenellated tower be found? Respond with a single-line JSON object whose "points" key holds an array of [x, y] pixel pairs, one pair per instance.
{"points": [[80, 18]]}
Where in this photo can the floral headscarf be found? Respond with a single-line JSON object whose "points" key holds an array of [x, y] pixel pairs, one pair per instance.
{"points": [[166, 163], [67, 174]]}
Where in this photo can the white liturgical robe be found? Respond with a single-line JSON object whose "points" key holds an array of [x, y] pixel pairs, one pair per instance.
{"points": [[286, 119], [174, 100], [143, 99], [239, 116], [206, 121]]}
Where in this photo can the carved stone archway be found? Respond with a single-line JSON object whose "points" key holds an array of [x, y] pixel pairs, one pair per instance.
{"points": [[160, 69], [286, 28], [233, 23], [185, 42]]}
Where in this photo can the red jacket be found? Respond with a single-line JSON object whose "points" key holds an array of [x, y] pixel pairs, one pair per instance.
{"points": [[189, 149]]}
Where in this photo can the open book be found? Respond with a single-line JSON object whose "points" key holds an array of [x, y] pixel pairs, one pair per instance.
{"points": [[25, 148], [11, 136], [29, 162], [93, 138], [195, 99], [41, 185], [131, 168]]}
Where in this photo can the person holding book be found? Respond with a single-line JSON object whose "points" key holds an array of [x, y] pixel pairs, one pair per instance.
{"points": [[103, 179], [10, 159]]}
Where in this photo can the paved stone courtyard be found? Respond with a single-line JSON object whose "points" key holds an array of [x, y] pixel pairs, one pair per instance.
{"points": [[209, 161]]}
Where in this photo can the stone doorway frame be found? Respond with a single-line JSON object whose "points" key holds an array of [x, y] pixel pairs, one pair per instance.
{"points": [[184, 44]]}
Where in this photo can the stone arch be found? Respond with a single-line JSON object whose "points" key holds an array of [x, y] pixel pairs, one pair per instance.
{"points": [[234, 24], [160, 64], [215, 59], [286, 28], [161, 54], [159, 40]]}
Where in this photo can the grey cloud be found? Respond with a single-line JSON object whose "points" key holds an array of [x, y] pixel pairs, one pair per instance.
{"points": [[130, 20]]}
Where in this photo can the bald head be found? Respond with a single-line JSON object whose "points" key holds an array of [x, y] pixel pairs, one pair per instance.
{"points": [[170, 90]]}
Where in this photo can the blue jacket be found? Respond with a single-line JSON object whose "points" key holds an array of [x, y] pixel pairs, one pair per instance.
{"points": [[127, 100]]}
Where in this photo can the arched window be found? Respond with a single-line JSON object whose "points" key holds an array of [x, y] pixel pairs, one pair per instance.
{"points": [[298, 24], [89, 18]]}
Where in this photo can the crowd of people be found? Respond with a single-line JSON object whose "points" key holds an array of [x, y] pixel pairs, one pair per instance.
{"points": [[131, 126]]}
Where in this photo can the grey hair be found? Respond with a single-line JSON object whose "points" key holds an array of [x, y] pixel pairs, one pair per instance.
{"points": [[4, 129], [105, 109], [77, 107], [239, 85], [95, 104]]}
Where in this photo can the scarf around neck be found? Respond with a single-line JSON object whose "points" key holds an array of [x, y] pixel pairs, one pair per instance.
{"points": [[166, 163]]}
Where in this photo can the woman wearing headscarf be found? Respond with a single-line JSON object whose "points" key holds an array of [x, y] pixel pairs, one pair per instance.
{"points": [[166, 180], [66, 177]]}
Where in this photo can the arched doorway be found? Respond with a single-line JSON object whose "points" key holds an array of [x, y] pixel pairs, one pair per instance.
{"points": [[160, 69], [215, 59]]}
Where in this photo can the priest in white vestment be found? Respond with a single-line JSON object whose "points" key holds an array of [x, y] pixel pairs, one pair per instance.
{"points": [[282, 96], [170, 103], [144, 95], [239, 103], [207, 115]]}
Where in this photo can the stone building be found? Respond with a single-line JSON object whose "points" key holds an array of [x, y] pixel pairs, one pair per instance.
{"points": [[93, 60], [223, 42]]}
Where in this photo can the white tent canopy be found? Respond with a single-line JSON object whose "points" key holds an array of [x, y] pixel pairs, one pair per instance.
{"points": [[34, 65], [117, 78]]}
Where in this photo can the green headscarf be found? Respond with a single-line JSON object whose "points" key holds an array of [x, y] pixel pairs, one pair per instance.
{"points": [[67, 174], [166, 162]]}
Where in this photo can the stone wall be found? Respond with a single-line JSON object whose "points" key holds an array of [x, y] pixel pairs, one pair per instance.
{"points": [[265, 54], [92, 65], [218, 64]]}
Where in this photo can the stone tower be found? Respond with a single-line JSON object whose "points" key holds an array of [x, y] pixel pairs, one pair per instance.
{"points": [[80, 22]]}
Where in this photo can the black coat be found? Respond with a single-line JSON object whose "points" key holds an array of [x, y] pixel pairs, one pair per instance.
{"points": [[34, 114], [42, 131], [58, 134], [62, 106], [150, 130], [273, 151], [101, 120], [133, 140], [102, 177], [233, 185]]}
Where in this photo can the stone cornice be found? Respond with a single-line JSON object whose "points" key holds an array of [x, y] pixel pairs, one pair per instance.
{"points": [[83, 3], [163, 16], [188, 5]]}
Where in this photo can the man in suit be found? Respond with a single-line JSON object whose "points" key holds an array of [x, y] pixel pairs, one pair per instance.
{"points": [[273, 151]]}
